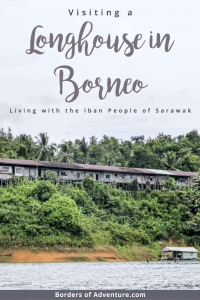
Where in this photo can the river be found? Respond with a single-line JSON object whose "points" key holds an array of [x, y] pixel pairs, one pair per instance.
{"points": [[100, 275]]}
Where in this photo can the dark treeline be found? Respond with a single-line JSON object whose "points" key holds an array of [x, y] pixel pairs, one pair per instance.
{"points": [[162, 152]]}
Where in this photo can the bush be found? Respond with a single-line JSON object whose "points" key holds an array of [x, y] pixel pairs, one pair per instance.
{"points": [[43, 190], [92, 213], [80, 196], [62, 212], [51, 176]]}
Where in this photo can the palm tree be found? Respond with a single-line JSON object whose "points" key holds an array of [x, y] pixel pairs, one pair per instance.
{"points": [[10, 154], [192, 194], [25, 146], [84, 148], [171, 161], [137, 138], [64, 154], [45, 150]]}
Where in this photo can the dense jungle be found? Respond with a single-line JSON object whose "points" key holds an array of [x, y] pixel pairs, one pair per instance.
{"points": [[41, 213]]}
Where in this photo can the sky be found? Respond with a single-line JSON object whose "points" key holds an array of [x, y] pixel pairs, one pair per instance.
{"points": [[28, 81]]}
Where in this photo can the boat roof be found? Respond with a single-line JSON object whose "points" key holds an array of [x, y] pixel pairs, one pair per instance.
{"points": [[181, 249]]}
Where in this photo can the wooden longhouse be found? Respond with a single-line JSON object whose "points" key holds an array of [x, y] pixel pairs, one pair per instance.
{"points": [[69, 173]]}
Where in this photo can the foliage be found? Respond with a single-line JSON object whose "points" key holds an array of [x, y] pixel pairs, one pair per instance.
{"points": [[162, 152], [90, 213], [44, 150], [62, 212], [65, 154], [43, 190], [142, 157], [170, 161], [51, 176]]}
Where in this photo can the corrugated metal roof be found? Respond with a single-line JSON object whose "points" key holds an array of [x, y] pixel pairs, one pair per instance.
{"points": [[181, 249], [110, 168], [145, 171], [160, 172], [130, 170], [60, 165], [19, 162], [100, 167], [182, 173]]}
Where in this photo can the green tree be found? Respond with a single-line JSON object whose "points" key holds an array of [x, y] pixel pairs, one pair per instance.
{"points": [[62, 212], [84, 148], [25, 146], [43, 190], [142, 158], [45, 150], [51, 176], [65, 154], [170, 161]]}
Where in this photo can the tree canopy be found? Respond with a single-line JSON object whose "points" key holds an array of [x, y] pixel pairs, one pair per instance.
{"points": [[162, 152]]}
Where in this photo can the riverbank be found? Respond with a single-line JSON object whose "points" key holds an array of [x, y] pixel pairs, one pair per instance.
{"points": [[91, 221], [100, 253], [30, 255]]}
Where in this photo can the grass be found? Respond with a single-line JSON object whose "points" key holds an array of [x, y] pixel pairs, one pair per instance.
{"points": [[3, 259], [100, 258], [80, 258], [137, 253]]}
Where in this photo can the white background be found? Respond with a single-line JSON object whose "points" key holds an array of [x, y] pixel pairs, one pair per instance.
{"points": [[28, 81]]}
